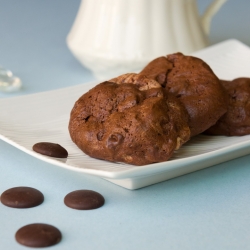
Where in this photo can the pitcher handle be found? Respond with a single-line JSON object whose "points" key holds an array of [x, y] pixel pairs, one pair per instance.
{"points": [[209, 13]]}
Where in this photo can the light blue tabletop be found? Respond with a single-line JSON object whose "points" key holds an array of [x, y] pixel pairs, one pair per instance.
{"points": [[208, 209]]}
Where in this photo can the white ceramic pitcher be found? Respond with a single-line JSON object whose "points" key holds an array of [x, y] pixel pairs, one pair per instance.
{"points": [[112, 37]]}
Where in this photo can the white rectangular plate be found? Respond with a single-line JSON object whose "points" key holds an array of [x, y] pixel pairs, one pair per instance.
{"points": [[26, 120]]}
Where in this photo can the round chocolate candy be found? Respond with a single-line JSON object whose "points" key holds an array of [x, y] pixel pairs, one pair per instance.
{"points": [[38, 235], [50, 149], [84, 200], [22, 197]]}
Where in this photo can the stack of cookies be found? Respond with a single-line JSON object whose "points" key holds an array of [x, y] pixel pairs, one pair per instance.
{"points": [[143, 118]]}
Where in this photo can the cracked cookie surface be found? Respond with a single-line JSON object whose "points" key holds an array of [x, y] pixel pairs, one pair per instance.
{"points": [[120, 122], [193, 82]]}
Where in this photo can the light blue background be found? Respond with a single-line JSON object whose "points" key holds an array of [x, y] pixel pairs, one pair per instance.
{"points": [[208, 209]]}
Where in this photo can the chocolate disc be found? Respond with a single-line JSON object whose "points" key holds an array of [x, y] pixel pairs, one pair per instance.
{"points": [[22, 197], [38, 235], [50, 149], [84, 200]]}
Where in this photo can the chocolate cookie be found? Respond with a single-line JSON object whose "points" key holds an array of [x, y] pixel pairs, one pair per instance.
{"points": [[192, 81], [133, 121], [237, 119]]}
